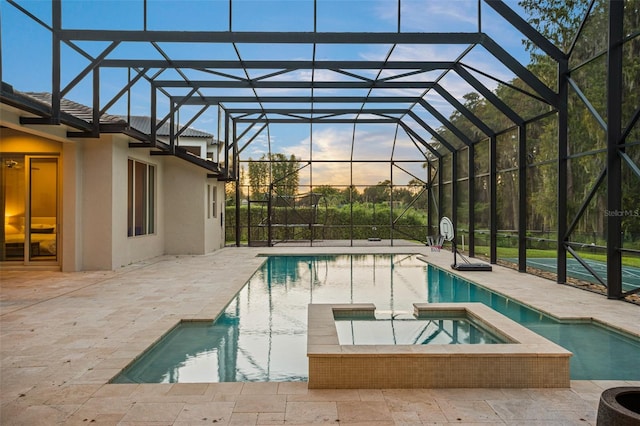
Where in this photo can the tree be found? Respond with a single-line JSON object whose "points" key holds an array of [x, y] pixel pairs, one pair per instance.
{"points": [[258, 178], [403, 195], [415, 185], [332, 194], [351, 194], [378, 193], [276, 170], [230, 193], [559, 21], [285, 174]]}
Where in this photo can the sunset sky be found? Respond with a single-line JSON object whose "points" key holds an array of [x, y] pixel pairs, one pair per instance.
{"points": [[26, 61]]}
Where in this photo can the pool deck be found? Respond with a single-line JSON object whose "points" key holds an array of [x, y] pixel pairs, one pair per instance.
{"points": [[64, 335]]}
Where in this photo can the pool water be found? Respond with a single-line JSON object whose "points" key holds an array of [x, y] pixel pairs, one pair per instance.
{"points": [[405, 329], [261, 335]]}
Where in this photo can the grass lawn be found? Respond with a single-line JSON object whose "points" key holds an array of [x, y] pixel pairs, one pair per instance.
{"points": [[512, 252]]}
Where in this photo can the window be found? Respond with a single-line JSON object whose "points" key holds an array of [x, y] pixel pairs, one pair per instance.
{"points": [[208, 201], [141, 198], [214, 198], [211, 201]]}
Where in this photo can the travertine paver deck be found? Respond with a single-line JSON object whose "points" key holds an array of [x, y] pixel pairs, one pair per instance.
{"points": [[64, 335]]}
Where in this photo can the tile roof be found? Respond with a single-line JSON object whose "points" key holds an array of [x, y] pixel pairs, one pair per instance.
{"points": [[81, 116], [85, 113], [143, 124], [75, 109]]}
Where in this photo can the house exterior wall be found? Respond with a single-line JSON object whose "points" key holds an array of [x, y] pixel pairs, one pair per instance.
{"points": [[96, 204], [184, 208], [94, 193], [181, 223], [127, 250], [71, 218]]}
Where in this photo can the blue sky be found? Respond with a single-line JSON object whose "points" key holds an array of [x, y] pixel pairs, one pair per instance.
{"points": [[26, 59]]}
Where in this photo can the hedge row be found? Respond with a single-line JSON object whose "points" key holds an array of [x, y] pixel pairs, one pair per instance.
{"points": [[333, 223]]}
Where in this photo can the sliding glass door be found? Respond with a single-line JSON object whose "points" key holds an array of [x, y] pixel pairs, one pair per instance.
{"points": [[29, 203]]}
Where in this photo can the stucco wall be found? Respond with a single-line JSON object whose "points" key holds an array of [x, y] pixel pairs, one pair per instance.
{"points": [[71, 212], [96, 205], [184, 207], [93, 199], [106, 245], [127, 250]]}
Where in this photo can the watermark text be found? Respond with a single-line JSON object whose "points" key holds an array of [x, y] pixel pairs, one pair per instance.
{"points": [[622, 213]]}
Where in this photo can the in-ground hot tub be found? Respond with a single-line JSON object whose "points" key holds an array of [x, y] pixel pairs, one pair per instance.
{"points": [[519, 358], [404, 328]]}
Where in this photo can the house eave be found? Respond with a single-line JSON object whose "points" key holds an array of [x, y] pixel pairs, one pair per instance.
{"points": [[39, 113]]}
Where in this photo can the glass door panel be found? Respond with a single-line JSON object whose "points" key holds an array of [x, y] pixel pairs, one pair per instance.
{"points": [[43, 203], [13, 204]]}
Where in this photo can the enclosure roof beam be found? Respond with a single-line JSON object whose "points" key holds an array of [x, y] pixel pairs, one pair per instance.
{"points": [[489, 95], [293, 99], [525, 28], [270, 37], [521, 71], [416, 136], [262, 84], [464, 110], [278, 64], [442, 119], [429, 129], [330, 120], [252, 138], [317, 110]]}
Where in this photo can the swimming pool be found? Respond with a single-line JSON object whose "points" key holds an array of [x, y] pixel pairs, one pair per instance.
{"points": [[261, 335]]}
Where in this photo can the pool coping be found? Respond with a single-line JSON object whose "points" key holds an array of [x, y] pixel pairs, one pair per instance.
{"points": [[529, 361]]}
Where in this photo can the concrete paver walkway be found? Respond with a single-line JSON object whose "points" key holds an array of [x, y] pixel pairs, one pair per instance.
{"points": [[64, 335]]}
